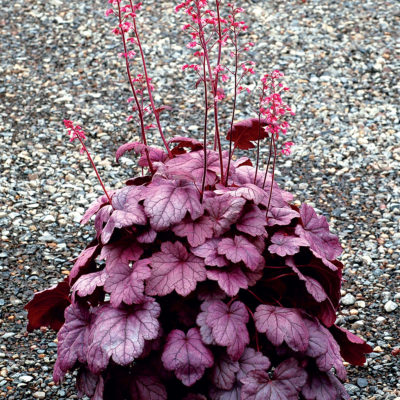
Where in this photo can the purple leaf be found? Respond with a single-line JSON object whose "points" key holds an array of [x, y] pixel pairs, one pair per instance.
{"points": [[121, 334], [210, 291], [83, 261], [228, 325], [331, 358], [147, 236], [223, 374], [86, 382], [95, 206], [316, 231], [190, 166], [205, 329], [155, 154], [208, 251], [283, 244], [137, 147], [245, 174], [282, 324], [323, 385], [288, 379], [147, 387], [182, 142], [248, 191], [167, 202], [253, 222], [312, 285], [224, 211], [244, 132], [47, 307], [233, 394], [196, 231], [186, 355], [101, 219], [252, 360], [317, 344], [127, 211], [126, 284], [88, 283], [121, 252], [195, 396], [72, 340], [240, 249], [281, 215], [174, 269], [230, 279]]}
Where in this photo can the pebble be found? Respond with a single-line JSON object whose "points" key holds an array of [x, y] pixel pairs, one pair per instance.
{"points": [[39, 395], [25, 378], [348, 299], [390, 306], [362, 382]]}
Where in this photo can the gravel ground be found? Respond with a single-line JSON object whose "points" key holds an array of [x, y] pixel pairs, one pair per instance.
{"points": [[58, 60]]}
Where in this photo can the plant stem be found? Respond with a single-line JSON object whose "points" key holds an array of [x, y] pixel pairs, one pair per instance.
{"points": [[203, 182], [95, 169], [139, 108], [234, 106], [148, 86]]}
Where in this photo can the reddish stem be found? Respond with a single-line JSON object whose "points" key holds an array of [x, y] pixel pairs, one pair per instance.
{"points": [[139, 107], [273, 175], [234, 107], [148, 86], [203, 182], [253, 294], [95, 169]]}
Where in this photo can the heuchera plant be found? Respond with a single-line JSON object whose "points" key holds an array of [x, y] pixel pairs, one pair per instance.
{"points": [[203, 281]]}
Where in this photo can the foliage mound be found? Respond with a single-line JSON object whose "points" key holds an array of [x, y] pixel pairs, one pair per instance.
{"points": [[203, 281]]}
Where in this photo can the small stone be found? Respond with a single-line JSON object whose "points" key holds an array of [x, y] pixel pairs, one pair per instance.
{"points": [[49, 218], [47, 237], [39, 395], [25, 378], [362, 382], [390, 306], [367, 259], [380, 319], [351, 389], [348, 300], [378, 349], [8, 335]]}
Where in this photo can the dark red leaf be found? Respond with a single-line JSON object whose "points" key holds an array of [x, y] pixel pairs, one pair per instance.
{"points": [[47, 307], [247, 131], [147, 387], [352, 348]]}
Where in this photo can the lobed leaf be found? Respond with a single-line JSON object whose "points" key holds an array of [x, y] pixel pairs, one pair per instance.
{"points": [[174, 269], [230, 279], [209, 251], [253, 222], [126, 284], [228, 324], [120, 334], [186, 355], [196, 232], [245, 132], [168, 201], [223, 374], [282, 324], [240, 249], [284, 245]]}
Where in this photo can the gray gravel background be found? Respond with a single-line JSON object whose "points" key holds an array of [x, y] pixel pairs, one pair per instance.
{"points": [[58, 60]]}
